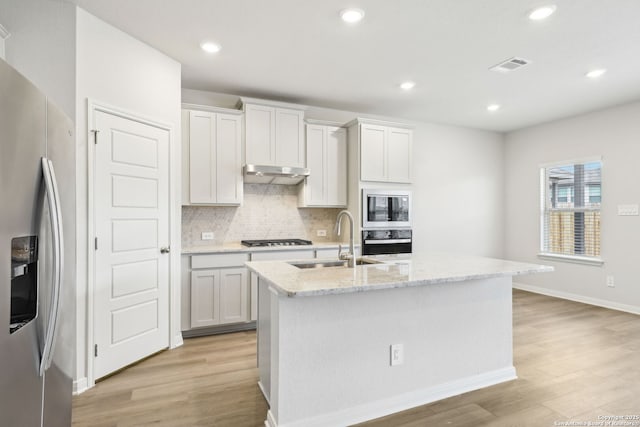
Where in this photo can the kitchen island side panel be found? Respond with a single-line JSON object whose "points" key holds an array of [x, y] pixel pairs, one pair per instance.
{"points": [[331, 364]]}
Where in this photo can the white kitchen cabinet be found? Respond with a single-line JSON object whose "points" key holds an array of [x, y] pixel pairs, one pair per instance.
{"points": [[234, 295], [399, 155], [216, 291], [219, 296], [213, 173], [274, 135], [327, 161], [385, 153], [205, 298]]}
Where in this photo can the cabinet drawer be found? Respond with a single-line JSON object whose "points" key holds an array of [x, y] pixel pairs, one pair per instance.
{"points": [[283, 255], [328, 253], [219, 260]]}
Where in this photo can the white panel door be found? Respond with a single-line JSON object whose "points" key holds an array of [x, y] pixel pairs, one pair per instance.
{"points": [[372, 153], [234, 295], [260, 134], [289, 142], [316, 192], [399, 155], [131, 211], [336, 170], [228, 164]]}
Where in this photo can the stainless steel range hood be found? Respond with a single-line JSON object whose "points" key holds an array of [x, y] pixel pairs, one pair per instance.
{"points": [[263, 174]]}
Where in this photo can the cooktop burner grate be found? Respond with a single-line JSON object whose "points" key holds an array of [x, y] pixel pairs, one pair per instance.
{"points": [[276, 242]]}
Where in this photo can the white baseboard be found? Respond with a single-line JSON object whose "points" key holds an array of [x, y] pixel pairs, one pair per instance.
{"points": [[391, 405], [80, 385], [578, 298], [177, 341], [270, 421]]}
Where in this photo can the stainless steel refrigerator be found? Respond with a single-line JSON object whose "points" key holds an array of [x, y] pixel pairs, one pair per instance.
{"points": [[37, 256]]}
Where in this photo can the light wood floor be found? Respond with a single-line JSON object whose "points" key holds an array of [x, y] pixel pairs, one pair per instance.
{"points": [[574, 362]]}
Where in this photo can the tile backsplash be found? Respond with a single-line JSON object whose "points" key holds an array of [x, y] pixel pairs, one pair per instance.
{"points": [[268, 212]]}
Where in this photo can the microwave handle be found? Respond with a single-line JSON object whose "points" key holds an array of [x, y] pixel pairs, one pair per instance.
{"points": [[386, 242]]}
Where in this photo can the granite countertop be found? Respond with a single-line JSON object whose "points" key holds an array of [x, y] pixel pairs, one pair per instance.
{"points": [[238, 247], [419, 269]]}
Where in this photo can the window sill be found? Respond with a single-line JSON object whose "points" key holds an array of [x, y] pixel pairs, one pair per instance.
{"points": [[572, 258]]}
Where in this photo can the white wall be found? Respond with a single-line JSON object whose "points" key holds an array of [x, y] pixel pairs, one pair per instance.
{"points": [[458, 191], [42, 46], [115, 69], [613, 134]]}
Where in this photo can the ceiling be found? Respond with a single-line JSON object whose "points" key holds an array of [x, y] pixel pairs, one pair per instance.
{"points": [[300, 51]]}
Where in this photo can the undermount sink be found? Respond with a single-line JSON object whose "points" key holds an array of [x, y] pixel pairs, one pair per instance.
{"points": [[332, 263]]}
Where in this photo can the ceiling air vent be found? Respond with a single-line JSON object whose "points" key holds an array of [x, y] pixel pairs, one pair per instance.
{"points": [[510, 64]]}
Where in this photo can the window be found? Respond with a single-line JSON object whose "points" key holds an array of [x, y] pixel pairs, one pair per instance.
{"points": [[570, 215]]}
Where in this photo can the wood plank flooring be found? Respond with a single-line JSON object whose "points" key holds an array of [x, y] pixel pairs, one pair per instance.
{"points": [[575, 362]]}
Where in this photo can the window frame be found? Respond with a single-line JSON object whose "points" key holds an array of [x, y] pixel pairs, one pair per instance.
{"points": [[543, 189]]}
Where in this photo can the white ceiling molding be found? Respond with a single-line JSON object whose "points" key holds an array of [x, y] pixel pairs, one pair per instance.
{"points": [[4, 33]]}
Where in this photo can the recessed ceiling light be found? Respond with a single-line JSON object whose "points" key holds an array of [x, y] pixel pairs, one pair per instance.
{"points": [[352, 15], [542, 12], [493, 107], [594, 74], [210, 47], [407, 85]]}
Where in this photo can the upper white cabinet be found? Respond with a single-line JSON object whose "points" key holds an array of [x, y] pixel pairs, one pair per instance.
{"points": [[385, 152], [274, 135], [327, 161], [212, 172]]}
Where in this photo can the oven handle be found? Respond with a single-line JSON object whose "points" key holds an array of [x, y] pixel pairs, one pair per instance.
{"points": [[386, 242]]}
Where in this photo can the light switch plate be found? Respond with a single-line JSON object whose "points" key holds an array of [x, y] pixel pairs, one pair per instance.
{"points": [[628, 210], [207, 235]]}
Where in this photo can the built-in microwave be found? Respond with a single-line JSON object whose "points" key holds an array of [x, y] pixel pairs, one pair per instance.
{"points": [[383, 208]]}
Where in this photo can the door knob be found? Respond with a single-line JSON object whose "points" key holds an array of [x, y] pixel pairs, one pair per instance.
{"points": [[165, 250]]}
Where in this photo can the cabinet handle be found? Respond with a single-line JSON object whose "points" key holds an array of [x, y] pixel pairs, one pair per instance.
{"points": [[165, 250]]}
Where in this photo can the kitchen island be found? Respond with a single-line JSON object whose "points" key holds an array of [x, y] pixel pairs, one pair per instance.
{"points": [[325, 335]]}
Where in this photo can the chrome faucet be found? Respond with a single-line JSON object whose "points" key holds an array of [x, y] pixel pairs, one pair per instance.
{"points": [[351, 255]]}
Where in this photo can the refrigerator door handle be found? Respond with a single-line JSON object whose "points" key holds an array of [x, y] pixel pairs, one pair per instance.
{"points": [[55, 217]]}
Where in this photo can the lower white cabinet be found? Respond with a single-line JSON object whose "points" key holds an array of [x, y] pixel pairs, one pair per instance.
{"points": [[219, 296], [217, 289], [205, 298]]}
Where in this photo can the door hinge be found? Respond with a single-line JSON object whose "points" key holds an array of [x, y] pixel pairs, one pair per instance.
{"points": [[95, 350], [95, 243], [95, 135]]}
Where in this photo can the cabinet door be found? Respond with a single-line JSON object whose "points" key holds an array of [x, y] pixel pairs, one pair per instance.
{"points": [[202, 177], [260, 134], [336, 167], [372, 153], [289, 138], [315, 187], [205, 298], [228, 159], [399, 155], [234, 295]]}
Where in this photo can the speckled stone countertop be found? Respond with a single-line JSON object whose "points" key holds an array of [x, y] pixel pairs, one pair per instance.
{"points": [[419, 269], [238, 247]]}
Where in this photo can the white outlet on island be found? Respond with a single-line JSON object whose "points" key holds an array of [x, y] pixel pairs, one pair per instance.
{"points": [[321, 233], [397, 354], [207, 235]]}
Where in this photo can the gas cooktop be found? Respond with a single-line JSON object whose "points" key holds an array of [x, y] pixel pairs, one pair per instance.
{"points": [[275, 242]]}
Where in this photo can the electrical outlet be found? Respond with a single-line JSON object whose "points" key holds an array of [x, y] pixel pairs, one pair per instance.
{"points": [[397, 354], [207, 235], [321, 233], [610, 282], [628, 210]]}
